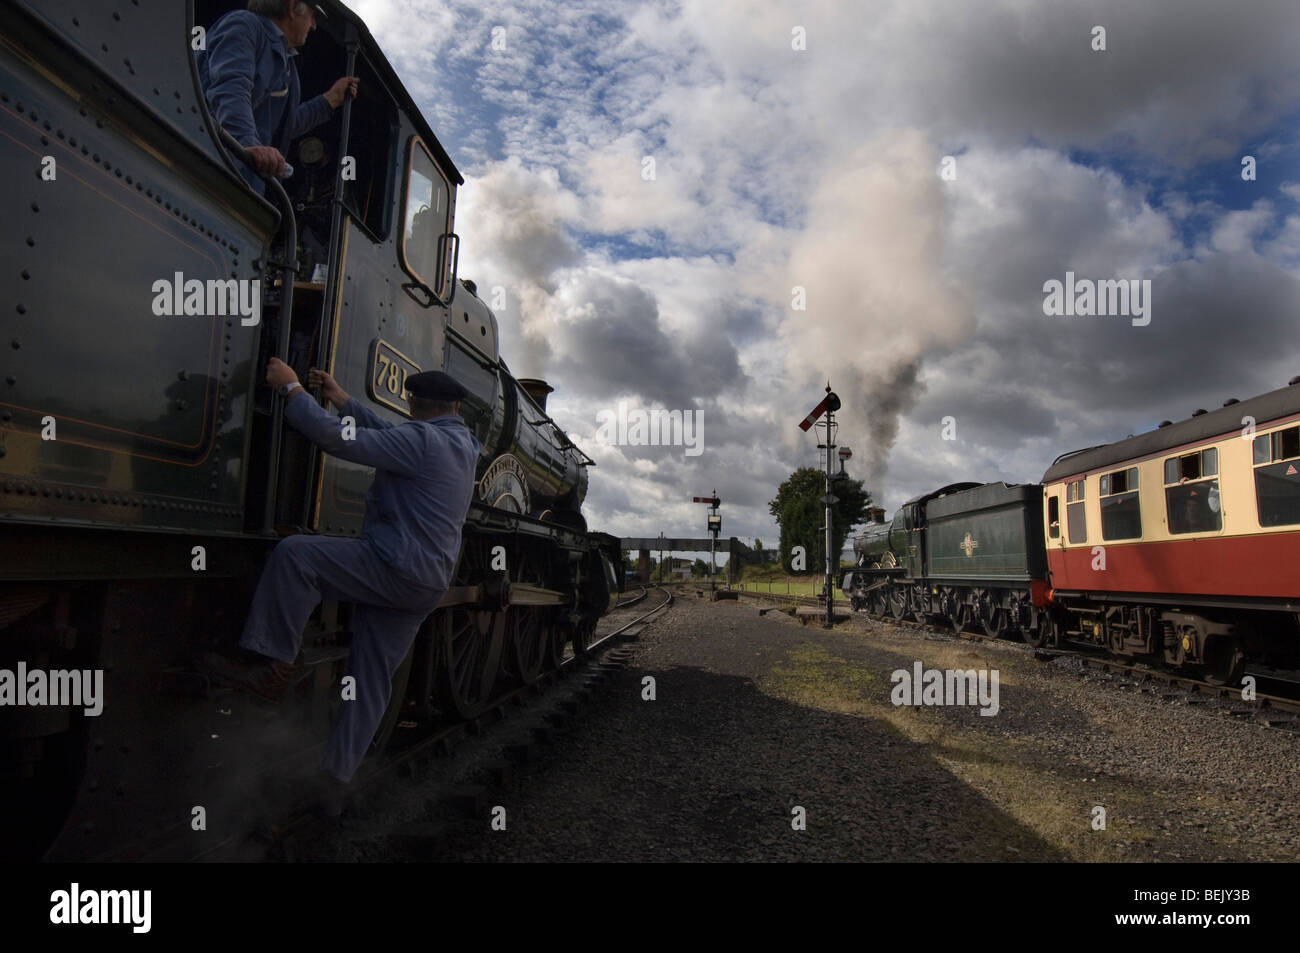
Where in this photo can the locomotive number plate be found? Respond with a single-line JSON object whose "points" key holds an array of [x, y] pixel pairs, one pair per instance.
{"points": [[389, 371]]}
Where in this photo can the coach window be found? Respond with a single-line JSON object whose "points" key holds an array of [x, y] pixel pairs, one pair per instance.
{"points": [[1054, 517], [1121, 515], [425, 220], [1277, 477], [1192, 492], [1074, 515]]}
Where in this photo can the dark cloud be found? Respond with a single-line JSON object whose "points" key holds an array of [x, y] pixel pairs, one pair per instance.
{"points": [[1184, 79]]}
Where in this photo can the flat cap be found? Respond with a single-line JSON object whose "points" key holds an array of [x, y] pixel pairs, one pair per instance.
{"points": [[435, 385]]}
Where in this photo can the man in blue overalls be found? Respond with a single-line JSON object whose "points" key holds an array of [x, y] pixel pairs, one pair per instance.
{"points": [[249, 78], [395, 574]]}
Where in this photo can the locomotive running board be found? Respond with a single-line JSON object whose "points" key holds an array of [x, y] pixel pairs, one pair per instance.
{"points": [[519, 594]]}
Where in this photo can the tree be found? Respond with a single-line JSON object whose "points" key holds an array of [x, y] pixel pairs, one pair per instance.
{"points": [[758, 548], [699, 568], [799, 511]]}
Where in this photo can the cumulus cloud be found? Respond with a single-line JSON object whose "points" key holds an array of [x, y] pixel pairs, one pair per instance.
{"points": [[776, 167]]}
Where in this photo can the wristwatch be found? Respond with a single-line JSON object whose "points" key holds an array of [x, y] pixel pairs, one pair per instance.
{"points": [[287, 389]]}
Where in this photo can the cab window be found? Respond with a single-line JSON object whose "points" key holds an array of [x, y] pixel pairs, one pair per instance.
{"points": [[425, 220]]}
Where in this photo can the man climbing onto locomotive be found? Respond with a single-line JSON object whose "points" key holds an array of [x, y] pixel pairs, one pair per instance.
{"points": [[395, 574], [250, 80]]}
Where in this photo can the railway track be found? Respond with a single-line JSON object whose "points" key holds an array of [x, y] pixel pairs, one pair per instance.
{"points": [[1282, 700], [565, 690]]}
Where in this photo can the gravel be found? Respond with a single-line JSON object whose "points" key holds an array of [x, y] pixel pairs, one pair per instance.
{"points": [[758, 721]]}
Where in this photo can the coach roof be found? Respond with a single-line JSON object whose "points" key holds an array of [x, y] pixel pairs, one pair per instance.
{"points": [[1266, 408]]}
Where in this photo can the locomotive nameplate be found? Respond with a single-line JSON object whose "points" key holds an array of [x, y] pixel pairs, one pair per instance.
{"points": [[389, 370]]}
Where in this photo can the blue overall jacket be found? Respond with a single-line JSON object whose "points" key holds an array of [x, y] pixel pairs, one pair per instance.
{"points": [[424, 482], [251, 84]]}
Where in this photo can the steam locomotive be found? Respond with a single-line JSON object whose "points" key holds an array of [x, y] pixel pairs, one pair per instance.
{"points": [[145, 470], [1176, 546]]}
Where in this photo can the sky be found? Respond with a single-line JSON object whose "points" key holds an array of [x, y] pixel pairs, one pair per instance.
{"points": [[717, 207]]}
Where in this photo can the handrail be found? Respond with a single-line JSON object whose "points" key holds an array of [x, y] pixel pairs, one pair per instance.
{"points": [[324, 341], [289, 269]]}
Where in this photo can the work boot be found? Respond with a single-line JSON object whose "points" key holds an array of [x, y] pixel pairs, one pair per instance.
{"points": [[268, 679]]}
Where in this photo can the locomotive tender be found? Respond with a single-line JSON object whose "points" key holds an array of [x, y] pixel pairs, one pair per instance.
{"points": [[144, 467], [1178, 546]]}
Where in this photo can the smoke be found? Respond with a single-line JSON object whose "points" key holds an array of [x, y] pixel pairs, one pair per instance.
{"points": [[871, 261], [517, 219]]}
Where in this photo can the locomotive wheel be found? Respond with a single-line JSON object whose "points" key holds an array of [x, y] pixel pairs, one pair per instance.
{"points": [[995, 623], [1225, 661], [471, 641], [962, 617], [1042, 632], [529, 639], [555, 639], [527, 632], [951, 609], [582, 636], [990, 616], [897, 596]]}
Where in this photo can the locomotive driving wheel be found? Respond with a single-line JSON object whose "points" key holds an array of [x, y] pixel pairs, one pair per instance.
{"points": [[528, 628], [472, 640]]}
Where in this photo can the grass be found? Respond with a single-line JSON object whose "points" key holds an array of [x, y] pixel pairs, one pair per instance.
{"points": [[774, 578]]}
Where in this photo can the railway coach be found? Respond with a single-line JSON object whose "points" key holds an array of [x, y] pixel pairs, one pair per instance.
{"points": [[1182, 544]]}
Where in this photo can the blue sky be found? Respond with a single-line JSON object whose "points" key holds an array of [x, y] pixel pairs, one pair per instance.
{"points": [[778, 167]]}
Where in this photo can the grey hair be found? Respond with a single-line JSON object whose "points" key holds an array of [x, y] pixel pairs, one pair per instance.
{"points": [[427, 407], [273, 8]]}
